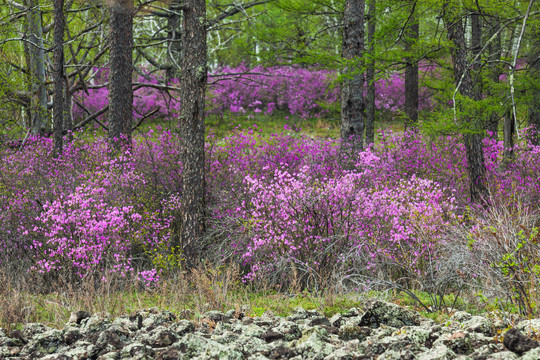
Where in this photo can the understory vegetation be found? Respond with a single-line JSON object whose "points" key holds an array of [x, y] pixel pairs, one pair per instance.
{"points": [[286, 214]]}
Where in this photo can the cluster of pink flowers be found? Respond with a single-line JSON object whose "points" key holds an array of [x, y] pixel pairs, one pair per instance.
{"points": [[278, 201]]}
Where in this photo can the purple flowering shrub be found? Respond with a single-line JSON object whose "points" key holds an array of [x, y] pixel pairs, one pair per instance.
{"points": [[306, 93], [88, 214], [297, 91], [312, 223], [145, 99], [274, 203]]}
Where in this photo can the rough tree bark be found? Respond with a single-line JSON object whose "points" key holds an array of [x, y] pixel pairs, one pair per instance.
{"points": [[68, 112], [412, 33], [174, 43], [370, 74], [476, 48], [463, 79], [58, 77], [495, 70], [191, 127], [352, 98], [120, 72], [509, 130], [534, 107], [36, 50]]}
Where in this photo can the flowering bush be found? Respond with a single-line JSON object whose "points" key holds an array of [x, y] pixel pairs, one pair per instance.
{"points": [[274, 203], [297, 91], [145, 99], [306, 93], [313, 223]]}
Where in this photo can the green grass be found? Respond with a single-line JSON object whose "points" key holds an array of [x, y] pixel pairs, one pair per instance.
{"points": [[204, 290], [223, 126]]}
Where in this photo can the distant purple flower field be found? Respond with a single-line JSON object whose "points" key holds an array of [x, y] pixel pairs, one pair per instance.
{"points": [[306, 93]]}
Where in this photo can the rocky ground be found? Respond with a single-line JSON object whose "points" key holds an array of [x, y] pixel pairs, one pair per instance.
{"points": [[384, 331]]}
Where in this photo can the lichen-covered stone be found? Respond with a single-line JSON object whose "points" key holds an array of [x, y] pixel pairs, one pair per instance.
{"points": [[397, 354], [137, 351], [114, 355], [533, 354], [182, 327], [337, 320], [72, 334], [342, 354], [151, 334], [350, 332], [503, 355], [313, 344], [12, 340], [44, 343], [382, 331], [114, 337], [487, 350], [461, 316], [417, 335], [154, 319], [479, 324], [32, 329], [529, 327], [9, 351], [159, 337], [94, 324], [460, 342], [249, 345], [197, 347], [438, 352], [301, 314], [81, 352], [289, 329], [131, 323], [380, 312]]}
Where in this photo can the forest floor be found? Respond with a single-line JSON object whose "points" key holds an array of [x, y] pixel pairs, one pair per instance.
{"points": [[207, 289], [219, 289]]}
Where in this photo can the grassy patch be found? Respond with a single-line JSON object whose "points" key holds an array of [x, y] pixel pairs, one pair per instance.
{"points": [[191, 296], [315, 128]]}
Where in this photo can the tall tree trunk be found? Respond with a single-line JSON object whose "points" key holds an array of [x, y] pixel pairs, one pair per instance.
{"points": [[462, 77], [352, 98], [534, 106], [495, 53], [412, 34], [58, 77], [370, 75], [509, 131], [191, 126], [174, 42], [68, 112], [476, 48], [120, 73], [37, 68]]}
